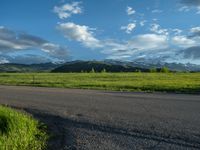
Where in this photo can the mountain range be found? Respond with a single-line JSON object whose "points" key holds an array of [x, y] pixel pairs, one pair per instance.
{"points": [[97, 66]]}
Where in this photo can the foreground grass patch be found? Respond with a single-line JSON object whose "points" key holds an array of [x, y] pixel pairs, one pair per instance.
{"points": [[170, 82], [19, 131]]}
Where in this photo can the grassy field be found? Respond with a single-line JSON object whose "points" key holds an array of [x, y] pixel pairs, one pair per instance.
{"points": [[19, 131], [170, 82]]}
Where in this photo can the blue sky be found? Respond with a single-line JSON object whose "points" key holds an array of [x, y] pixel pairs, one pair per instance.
{"points": [[36, 31]]}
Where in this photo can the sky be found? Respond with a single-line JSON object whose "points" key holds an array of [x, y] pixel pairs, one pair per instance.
{"points": [[39, 31]]}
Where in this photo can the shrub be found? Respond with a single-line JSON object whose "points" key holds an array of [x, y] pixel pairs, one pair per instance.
{"points": [[165, 70], [92, 71], [153, 70], [103, 71]]}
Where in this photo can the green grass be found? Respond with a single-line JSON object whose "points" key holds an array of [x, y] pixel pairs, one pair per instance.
{"points": [[170, 82], [19, 131]]}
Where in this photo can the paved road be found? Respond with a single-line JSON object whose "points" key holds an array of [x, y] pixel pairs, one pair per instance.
{"points": [[87, 119]]}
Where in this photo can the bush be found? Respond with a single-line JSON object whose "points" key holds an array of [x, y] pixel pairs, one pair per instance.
{"points": [[153, 70], [103, 71], [92, 71], [137, 70], [165, 70]]}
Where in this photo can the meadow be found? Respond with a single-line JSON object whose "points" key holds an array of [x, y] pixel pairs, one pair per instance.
{"points": [[148, 82]]}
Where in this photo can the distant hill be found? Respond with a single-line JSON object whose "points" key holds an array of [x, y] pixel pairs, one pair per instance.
{"points": [[149, 64], [97, 66], [45, 67]]}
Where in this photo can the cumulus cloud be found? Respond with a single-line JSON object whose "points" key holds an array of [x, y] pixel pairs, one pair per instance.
{"points": [[11, 41], [183, 41], [117, 50], [177, 31], [138, 45], [152, 41], [149, 41], [156, 44], [130, 10], [190, 40], [157, 29], [129, 28], [80, 33], [67, 10], [112, 46], [195, 32]]}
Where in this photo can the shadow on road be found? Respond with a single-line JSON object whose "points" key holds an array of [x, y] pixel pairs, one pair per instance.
{"points": [[62, 135]]}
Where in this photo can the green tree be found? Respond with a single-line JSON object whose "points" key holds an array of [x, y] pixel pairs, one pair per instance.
{"points": [[165, 70], [103, 71], [153, 70], [92, 71], [138, 70]]}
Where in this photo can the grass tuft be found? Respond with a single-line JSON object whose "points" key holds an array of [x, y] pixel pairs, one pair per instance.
{"points": [[19, 131]]}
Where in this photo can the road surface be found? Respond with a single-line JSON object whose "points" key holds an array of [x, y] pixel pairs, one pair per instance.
{"points": [[92, 120]]}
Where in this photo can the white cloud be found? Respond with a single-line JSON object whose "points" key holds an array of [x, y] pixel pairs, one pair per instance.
{"points": [[54, 50], [130, 11], [111, 46], [80, 33], [3, 60], [29, 59], [142, 23], [195, 30], [195, 33], [5, 44], [183, 41], [154, 19], [157, 29], [11, 41], [149, 41], [177, 31], [198, 10], [184, 9], [134, 47], [66, 10], [129, 28], [188, 5], [119, 57], [156, 11]]}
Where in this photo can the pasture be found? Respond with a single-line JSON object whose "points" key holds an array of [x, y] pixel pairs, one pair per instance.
{"points": [[148, 82]]}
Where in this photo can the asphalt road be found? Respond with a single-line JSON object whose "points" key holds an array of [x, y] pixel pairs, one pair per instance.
{"points": [[92, 120]]}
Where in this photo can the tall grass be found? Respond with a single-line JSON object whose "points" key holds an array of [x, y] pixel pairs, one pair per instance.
{"points": [[173, 82], [19, 131]]}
